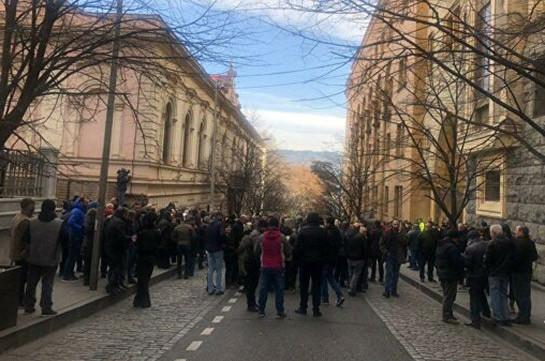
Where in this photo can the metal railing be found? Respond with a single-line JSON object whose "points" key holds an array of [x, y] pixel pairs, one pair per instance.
{"points": [[21, 174]]}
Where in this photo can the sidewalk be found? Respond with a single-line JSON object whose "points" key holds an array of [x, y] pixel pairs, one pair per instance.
{"points": [[530, 338], [72, 301]]}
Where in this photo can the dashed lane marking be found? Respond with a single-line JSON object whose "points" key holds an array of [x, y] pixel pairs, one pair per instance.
{"points": [[226, 309], [217, 319], [194, 346], [207, 331], [233, 300]]}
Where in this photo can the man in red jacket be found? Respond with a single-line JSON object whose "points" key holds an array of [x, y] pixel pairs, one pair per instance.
{"points": [[274, 250]]}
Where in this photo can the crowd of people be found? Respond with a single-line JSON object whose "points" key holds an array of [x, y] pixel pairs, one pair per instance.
{"points": [[264, 254]]}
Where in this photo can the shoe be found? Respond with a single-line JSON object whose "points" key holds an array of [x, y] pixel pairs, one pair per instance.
{"points": [[395, 294], [432, 280], [386, 294], [372, 280], [49, 312], [103, 275], [301, 311], [454, 317], [219, 293], [352, 294], [487, 315], [86, 283], [70, 279], [253, 309], [325, 303], [422, 280], [261, 314], [316, 313], [186, 277], [340, 302], [125, 287], [505, 323], [451, 321], [211, 293], [474, 325], [131, 281], [30, 311], [520, 321], [281, 316]]}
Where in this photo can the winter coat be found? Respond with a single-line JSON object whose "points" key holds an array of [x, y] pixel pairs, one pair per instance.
{"points": [[428, 241], [116, 239], [474, 259], [414, 242], [18, 229], [215, 237], [394, 244], [76, 222], [44, 242], [499, 257], [448, 260], [334, 239], [525, 255], [246, 249], [356, 246], [147, 246], [375, 236], [184, 235], [312, 245], [273, 249], [87, 245]]}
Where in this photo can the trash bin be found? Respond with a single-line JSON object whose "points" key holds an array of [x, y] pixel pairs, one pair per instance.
{"points": [[9, 295]]}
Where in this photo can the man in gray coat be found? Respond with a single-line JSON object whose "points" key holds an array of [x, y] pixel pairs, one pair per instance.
{"points": [[43, 238]]}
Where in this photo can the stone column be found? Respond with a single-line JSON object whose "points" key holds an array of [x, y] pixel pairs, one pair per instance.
{"points": [[49, 181]]}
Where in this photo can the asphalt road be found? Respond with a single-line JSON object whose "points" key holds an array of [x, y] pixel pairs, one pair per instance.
{"points": [[353, 332]]}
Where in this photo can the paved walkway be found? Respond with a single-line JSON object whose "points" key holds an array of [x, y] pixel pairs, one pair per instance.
{"points": [[534, 332]]}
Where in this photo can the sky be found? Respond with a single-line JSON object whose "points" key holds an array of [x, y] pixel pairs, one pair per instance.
{"points": [[294, 86]]}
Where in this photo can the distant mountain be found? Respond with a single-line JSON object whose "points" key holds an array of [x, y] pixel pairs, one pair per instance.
{"points": [[306, 157]]}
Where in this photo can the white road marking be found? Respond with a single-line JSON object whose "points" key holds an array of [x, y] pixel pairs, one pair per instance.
{"points": [[233, 300], [217, 319], [226, 309], [207, 331], [194, 346], [180, 359]]}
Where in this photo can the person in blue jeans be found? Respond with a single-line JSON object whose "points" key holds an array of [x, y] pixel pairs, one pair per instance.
{"points": [[393, 245], [215, 244], [273, 249], [76, 231]]}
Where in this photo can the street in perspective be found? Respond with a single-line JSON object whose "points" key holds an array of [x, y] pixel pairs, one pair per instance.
{"points": [[236, 180]]}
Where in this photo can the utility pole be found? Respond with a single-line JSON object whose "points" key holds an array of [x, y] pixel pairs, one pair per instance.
{"points": [[212, 158], [99, 224]]}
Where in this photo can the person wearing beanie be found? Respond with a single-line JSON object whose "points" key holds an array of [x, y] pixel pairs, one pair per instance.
{"points": [[43, 239]]}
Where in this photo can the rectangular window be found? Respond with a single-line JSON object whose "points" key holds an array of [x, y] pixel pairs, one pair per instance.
{"points": [[492, 186], [386, 200], [397, 201], [539, 91], [387, 144], [483, 42], [482, 116], [402, 72], [399, 140]]}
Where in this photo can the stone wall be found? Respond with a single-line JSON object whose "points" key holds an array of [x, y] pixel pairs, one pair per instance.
{"points": [[525, 192]]}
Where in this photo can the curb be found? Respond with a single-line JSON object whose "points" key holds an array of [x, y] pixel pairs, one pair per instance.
{"points": [[533, 348], [18, 336]]}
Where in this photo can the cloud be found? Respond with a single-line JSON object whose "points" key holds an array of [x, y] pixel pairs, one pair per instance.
{"points": [[304, 131]]}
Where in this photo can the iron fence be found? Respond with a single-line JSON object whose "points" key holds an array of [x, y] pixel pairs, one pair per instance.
{"points": [[21, 174]]}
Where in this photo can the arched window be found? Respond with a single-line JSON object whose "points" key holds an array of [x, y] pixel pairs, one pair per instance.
{"points": [[234, 153], [223, 145], [186, 140], [167, 120], [201, 142]]}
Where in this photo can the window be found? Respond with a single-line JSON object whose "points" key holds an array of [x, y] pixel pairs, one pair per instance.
{"points": [[399, 140], [386, 200], [402, 72], [492, 187], [539, 91], [167, 130], [201, 142], [483, 41], [397, 201], [387, 144], [186, 140], [481, 116]]}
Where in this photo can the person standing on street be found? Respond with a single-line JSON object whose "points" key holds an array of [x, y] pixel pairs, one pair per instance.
{"points": [[252, 263], [414, 247], [310, 253], [377, 261], [356, 253], [273, 249], [43, 239], [335, 243], [116, 248], [499, 264], [393, 245], [19, 226], [76, 230], [185, 238], [148, 240], [476, 278], [525, 255], [450, 266], [215, 244], [428, 240]]}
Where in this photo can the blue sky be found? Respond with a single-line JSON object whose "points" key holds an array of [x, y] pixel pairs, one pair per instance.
{"points": [[295, 86]]}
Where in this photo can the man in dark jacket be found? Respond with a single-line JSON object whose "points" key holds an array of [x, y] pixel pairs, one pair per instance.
{"points": [[165, 227], [215, 244], [43, 239], [393, 245], [525, 255], [356, 247], [376, 254], [450, 266], [476, 278], [335, 242], [499, 264], [310, 253], [428, 245], [414, 247], [252, 263], [116, 242], [76, 227]]}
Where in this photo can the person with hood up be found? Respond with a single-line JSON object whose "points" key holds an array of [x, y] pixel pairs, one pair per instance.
{"points": [[43, 239], [76, 231], [273, 249]]}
